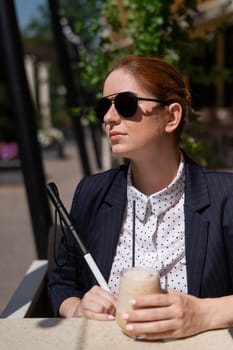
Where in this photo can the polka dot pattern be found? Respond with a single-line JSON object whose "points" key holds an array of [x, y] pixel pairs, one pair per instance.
{"points": [[159, 234]]}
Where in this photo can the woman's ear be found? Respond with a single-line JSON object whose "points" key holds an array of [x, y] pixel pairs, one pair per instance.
{"points": [[173, 118]]}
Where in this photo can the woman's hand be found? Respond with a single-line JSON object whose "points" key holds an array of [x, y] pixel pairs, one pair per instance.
{"points": [[96, 304], [168, 315]]}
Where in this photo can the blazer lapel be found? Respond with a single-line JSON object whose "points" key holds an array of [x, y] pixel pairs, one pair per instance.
{"points": [[196, 228], [110, 220]]}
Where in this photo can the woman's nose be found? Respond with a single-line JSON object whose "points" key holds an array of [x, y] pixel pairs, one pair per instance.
{"points": [[112, 115]]}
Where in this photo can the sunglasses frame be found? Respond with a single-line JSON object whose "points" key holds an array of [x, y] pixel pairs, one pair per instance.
{"points": [[125, 114]]}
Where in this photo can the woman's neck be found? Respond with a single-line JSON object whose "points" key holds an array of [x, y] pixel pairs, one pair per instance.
{"points": [[154, 174]]}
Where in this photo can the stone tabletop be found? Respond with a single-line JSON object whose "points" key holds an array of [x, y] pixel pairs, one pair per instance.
{"points": [[82, 334]]}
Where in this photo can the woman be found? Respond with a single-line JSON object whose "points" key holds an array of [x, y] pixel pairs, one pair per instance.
{"points": [[182, 215]]}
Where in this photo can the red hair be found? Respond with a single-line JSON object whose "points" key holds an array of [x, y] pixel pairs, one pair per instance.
{"points": [[159, 78]]}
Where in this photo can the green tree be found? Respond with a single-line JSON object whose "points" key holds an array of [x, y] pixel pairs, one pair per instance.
{"points": [[156, 28], [108, 30]]}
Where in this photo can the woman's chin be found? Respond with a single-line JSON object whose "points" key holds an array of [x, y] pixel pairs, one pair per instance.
{"points": [[118, 151]]}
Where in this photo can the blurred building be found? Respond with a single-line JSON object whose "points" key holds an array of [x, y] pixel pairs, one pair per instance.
{"points": [[216, 101], [217, 16]]}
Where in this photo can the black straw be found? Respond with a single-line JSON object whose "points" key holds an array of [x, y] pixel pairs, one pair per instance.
{"points": [[134, 234]]}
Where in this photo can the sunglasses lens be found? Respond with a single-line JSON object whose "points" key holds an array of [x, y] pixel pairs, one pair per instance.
{"points": [[126, 104], [102, 107]]}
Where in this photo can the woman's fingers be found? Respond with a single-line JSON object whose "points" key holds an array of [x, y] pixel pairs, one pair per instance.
{"points": [[97, 304], [153, 300], [164, 315], [96, 290], [152, 330]]}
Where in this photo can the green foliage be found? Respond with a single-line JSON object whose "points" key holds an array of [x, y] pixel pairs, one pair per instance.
{"points": [[142, 27], [38, 33], [107, 33], [150, 28], [213, 76], [195, 148]]}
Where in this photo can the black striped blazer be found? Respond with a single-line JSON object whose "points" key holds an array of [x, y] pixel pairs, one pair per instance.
{"points": [[97, 213]]}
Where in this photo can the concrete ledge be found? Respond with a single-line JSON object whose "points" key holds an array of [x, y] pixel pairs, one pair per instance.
{"points": [[30, 299]]}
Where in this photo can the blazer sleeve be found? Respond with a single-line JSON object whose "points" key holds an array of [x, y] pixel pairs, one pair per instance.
{"points": [[64, 278], [96, 213], [228, 232]]}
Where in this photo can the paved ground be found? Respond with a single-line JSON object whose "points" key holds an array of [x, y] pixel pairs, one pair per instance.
{"points": [[17, 249]]}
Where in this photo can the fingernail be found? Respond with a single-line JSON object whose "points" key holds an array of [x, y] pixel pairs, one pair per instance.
{"points": [[125, 316], [111, 317], [129, 327], [132, 301], [139, 337]]}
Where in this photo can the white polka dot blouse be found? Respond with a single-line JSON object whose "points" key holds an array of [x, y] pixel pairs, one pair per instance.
{"points": [[157, 223]]}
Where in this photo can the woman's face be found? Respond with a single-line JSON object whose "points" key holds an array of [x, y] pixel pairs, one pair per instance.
{"points": [[145, 131]]}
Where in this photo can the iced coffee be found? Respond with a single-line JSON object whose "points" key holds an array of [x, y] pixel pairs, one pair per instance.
{"points": [[134, 282]]}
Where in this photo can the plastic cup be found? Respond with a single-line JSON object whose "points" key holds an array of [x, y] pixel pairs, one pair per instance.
{"points": [[135, 281]]}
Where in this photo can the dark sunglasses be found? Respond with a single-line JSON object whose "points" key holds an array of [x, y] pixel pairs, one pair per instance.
{"points": [[126, 104]]}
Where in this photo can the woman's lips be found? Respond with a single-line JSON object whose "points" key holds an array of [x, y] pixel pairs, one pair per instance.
{"points": [[116, 135]]}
